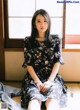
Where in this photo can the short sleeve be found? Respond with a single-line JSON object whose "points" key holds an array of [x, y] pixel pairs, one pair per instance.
{"points": [[27, 53], [58, 51]]}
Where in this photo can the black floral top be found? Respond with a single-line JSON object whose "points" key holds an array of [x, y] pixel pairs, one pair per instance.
{"points": [[42, 55]]}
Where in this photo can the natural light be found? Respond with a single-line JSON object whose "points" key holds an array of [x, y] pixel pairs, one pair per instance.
{"points": [[73, 102], [72, 46], [20, 18], [72, 26]]}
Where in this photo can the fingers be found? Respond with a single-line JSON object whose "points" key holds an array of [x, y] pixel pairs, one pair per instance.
{"points": [[44, 89], [46, 86], [40, 85]]}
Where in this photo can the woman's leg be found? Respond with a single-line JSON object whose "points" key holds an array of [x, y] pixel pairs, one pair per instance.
{"points": [[52, 104], [34, 105]]}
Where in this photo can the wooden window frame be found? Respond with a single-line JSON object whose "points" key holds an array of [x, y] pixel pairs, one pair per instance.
{"points": [[18, 43], [64, 21], [2, 57], [70, 38], [10, 43]]}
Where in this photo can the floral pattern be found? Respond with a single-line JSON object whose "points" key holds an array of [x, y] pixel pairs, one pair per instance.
{"points": [[42, 55]]}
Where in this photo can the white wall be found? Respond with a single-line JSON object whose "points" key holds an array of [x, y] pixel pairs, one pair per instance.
{"points": [[70, 71]]}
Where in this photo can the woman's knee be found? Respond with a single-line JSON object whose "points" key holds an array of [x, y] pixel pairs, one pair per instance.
{"points": [[34, 105], [52, 104]]}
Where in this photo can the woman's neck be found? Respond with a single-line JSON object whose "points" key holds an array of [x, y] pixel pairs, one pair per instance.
{"points": [[41, 37]]}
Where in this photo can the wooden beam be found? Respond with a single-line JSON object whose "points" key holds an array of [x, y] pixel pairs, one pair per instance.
{"points": [[64, 21], [2, 64]]}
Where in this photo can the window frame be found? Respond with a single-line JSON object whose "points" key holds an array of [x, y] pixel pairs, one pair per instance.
{"points": [[70, 38], [18, 43], [10, 43], [2, 54]]}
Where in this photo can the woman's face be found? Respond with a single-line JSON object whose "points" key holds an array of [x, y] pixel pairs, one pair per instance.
{"points": [[41, 24]]}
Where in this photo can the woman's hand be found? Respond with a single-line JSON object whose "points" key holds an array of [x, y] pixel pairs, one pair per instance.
{"points": [[46, 86], [40, 85]]}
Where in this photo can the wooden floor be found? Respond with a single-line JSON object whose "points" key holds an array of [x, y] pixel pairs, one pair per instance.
{"points": [[73, 102]]}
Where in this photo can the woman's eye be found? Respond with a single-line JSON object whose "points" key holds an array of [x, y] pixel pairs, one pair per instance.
{"points": [[45, 21], [41, 21], [38, 21]]}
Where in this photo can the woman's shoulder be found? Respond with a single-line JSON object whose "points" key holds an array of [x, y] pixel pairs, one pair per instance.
{"points": [[27, 42], [27, 39], [54, 36]]}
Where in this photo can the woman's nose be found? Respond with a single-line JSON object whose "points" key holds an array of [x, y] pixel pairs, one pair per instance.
{"points": [[42, 23]]}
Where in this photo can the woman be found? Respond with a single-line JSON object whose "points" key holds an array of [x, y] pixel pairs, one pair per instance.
{"points": [[42, 54]]}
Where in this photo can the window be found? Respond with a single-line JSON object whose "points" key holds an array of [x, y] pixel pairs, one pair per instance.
{"points": [[18, 15], [72, 32]]}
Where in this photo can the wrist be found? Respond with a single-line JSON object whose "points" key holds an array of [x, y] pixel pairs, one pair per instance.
{"points": [[37, 82], [48, 82], [50, 79]]}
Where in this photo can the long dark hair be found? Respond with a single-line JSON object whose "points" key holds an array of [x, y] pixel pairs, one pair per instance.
{"points": [[34, 32]]}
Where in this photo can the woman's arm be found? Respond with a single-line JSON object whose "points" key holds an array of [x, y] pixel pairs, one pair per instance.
{"points": [[54, 71], [57, 58], [35, 77], [53, 74], [33, 74]]}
